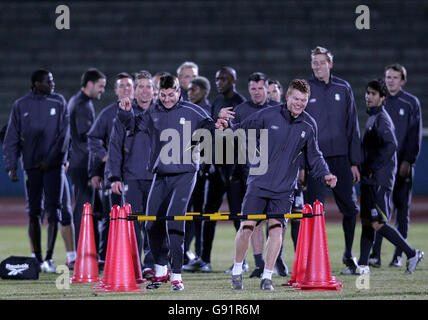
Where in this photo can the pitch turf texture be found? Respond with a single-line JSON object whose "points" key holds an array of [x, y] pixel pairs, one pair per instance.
{"points": [[385, 283]]}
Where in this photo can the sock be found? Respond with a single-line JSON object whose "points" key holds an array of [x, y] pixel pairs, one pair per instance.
{"points": [[348, 224], [38, 256], [71, 255], [295, 225], [160, 271], [176, 277], [366, 242], [267, 274], [397, 240], [237, 268], [49, 254], [258, 259]]}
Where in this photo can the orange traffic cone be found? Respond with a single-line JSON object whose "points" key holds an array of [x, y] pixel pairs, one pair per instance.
{"points": [[302, 249], [122, 272], [318, 272], [134, 247], [109, 254], [86, 266]]}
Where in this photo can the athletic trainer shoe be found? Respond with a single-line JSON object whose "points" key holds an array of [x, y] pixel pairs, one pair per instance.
{"points": [[362, 270], [206, 268], [48, 266], [351, 265], [374, 261], [266, 284], [281, 268], [177, 285], [413, 262], [70, 264], [194, 266], [148, 273], [155, 282], [396, 262], [237, 282], [257, 273]]}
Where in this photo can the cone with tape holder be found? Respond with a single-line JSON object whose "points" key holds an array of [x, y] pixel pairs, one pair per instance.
{"points": [[134, 247], [318, 275], [122, 268], [302, 249], [109, 254], [86, 265]]}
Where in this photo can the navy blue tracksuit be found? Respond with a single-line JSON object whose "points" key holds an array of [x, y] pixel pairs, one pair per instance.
{"points": [[333, 107], [98, 139], [127, 161], [405, 112], [289, 139], [38, 129], [82, 116], [174, 177]]}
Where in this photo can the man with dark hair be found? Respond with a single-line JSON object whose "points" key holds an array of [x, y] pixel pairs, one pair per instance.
{"points": [[98, 139], [126, 165], [291, 132], [333, 107], [379, 166], [174, 177], [38, 130], [405, 112], [155, 80], [82, 116]]}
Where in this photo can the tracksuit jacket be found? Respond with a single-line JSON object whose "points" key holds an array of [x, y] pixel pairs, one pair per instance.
{"points": [[157, 119], [379, 146], [38, 129], [128, 156], [288, 139], [405, 112], [332, 105]]}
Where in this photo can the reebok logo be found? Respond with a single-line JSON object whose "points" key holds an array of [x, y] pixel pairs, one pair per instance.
{"points": [[16, 269]]}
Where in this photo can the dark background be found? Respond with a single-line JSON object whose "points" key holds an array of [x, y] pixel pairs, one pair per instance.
{"points": [[274, 37]]}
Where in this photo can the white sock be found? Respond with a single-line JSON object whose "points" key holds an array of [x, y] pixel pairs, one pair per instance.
{"points": [[71, 255], [176, 277], [237, 269], [160, 271], [267, 274]]}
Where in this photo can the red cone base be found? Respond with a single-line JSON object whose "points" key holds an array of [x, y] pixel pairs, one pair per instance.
{"points": [[318, 272], [86, 265]]}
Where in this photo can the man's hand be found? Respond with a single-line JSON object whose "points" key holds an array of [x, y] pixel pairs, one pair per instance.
{"points": [[125, 104], [226, 113], [97, 182], [404, 170], [117, 187], [330, 180], [12, 175], [355, 174], [221, 124]]}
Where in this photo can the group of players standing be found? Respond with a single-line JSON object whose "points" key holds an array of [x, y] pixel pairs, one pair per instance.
{"points": [[314, 142]]}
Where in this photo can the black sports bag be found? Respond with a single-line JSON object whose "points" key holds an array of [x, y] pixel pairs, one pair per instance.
{"points": [[20, 268]]}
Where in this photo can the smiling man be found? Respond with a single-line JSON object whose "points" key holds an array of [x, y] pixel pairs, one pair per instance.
{"points": [[292, 133], [333, 107]]}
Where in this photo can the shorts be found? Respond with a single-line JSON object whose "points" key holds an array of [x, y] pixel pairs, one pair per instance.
{"points": [[375, 204]]}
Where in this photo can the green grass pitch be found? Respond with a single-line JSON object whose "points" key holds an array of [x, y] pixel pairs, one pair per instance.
{"points": [[384, 283]]}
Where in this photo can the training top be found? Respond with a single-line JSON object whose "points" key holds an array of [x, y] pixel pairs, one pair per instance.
{"points": [[128, 156], [38, 129], [221, 102], [405, 112], [288, 139], [82, 116], [332, 105], [156, 121], [379, 146]]}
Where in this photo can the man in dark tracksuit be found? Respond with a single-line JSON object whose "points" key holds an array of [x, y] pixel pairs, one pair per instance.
{"points": [[405, 112], [291, 133], [98, 139], [126, 166], [175, 174], [219, 182], [198, 91], [379, 167], [257, 84], [186, 72], [38, 129], [82, 116], [333, 107]]}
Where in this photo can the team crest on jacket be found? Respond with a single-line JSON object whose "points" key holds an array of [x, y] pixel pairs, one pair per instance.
{"points": [[303, 134], [337, 97], [182, 121], [53, 111], [401, 112]]}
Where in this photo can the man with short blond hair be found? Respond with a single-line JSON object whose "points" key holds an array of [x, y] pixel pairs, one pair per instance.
{"points": [[186, 72]]}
